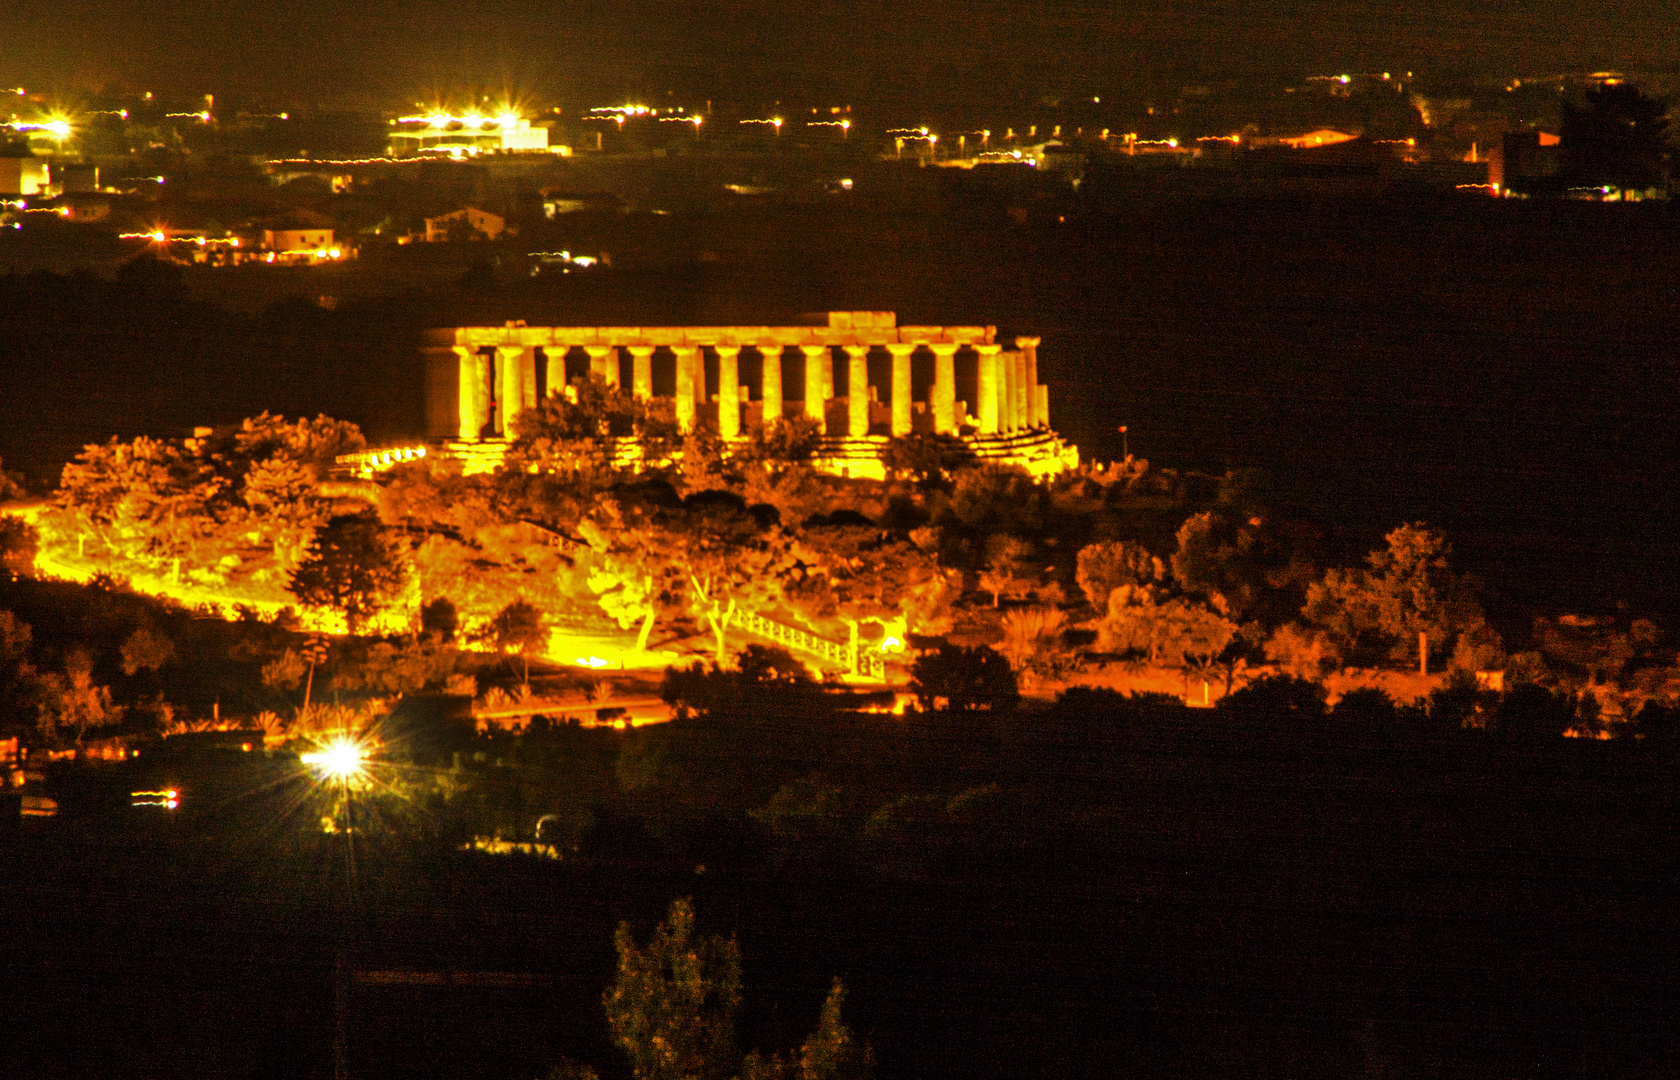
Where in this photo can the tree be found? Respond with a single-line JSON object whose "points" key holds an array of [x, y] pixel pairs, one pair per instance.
{"points": [[1009, 568], [965, 679], [1032, 640], [984, 501], [560, 434], [1364, 710], [1102, 568], [72, 702], [673, 1005], [244, 500], [733, 559], [636, 568], [1409, 599], [923, 458], [1166, 631], [858, 573], [1279, 698], [146, 650], [353, 568], [1615, 137], [831, 1053], [11, 485], [1302, 651], [17, 674], [519, 629]]}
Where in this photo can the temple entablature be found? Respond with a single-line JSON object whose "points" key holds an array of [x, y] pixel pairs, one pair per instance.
{"points": [[844, 328]]}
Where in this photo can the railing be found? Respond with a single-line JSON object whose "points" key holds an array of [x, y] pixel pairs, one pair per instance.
{"points": [[861, 662]]}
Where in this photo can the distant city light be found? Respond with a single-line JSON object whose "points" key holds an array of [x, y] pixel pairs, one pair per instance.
{"points": [[618, 112], [168, 799], [58, 128], [505, 119]]}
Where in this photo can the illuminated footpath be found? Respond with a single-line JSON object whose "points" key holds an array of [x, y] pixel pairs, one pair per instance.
{"points": [[479, 377]]}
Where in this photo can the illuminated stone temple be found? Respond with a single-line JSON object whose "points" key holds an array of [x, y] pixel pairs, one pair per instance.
{"points": [[898, 381]]}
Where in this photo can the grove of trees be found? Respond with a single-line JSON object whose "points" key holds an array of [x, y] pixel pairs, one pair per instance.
{"points": [[1003, 582]]}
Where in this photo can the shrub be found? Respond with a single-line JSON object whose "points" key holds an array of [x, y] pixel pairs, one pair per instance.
{"points": [[1366, 709], [965, 679], [1281, 698]]}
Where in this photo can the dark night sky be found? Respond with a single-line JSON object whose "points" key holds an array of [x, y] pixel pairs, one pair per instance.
{"points": [[929, 52]]}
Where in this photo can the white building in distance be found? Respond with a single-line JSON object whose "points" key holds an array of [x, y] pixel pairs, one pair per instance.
{"points": [[465, 136]]}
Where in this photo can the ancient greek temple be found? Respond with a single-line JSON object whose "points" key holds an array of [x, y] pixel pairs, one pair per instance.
{"points": [[863, 378]]}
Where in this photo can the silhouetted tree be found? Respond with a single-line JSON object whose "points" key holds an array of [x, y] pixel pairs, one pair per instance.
{"points": [[1283, 699], [440, 618], [1534, 714], [352, 567], [1655, 723], [1615, 137], [964, 678], [1366, 710], [519, 630]]}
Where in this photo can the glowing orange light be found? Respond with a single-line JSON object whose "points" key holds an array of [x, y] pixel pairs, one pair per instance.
{"points": [[341, 758]]}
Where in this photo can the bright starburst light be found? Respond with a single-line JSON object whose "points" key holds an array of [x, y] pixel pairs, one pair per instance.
{"points": [[340, 758]]}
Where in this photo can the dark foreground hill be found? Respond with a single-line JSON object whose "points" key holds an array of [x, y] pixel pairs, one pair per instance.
{"points": [[1163, 901]]}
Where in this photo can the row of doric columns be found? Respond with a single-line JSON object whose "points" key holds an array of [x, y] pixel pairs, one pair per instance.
{"points": [[1008, 397]]}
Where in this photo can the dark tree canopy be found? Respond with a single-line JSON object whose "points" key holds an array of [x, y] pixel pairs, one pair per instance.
{"points": [[352, 567], [965, 678], [1616, 136]]}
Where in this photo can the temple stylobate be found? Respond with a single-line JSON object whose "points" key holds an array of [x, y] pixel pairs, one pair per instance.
{"points": [[861, 377]]}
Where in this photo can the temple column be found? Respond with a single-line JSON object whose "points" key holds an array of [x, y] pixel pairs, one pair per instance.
{"points": [[688, 359], [556, 356], [901, 387], [1029, 353], [1023, 394], [988, 390], [1007, 382], [857, 390], [772, 392], [1018, 417], [944, 403], [698, 360], [641, 374], [470, 397], [603, 361], [817, 357], [517, 365], [729, 390]]}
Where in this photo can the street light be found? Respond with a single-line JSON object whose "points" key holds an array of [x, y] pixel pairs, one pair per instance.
{"points": [[341, 758]]}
